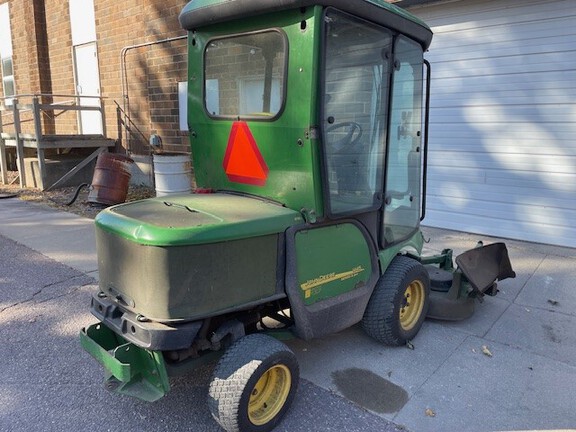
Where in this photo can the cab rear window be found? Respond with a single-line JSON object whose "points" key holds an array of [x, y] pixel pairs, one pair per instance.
{"points": [[245, 75]]}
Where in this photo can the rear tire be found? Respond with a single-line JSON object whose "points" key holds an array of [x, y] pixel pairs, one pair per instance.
{"points": [[253, 384], [399, 303]]}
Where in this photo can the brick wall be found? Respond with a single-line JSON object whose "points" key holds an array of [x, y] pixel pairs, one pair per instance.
{"points": [[120, 24], [60, 65], [166, 65], [43, 63], [152, 72], [20, 11]]}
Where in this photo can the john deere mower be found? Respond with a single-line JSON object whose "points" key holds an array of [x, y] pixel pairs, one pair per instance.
{"points": [[308, 131]]}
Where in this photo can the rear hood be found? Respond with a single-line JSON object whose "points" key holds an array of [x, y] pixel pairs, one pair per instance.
{"points": [[196, 219]]}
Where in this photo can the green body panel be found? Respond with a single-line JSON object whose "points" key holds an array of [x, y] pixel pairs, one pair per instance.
{"points": [[201, 4], [200, 13], [288, 145], [187, 257], [185, 283], [413, 245], [331, 260], [195, 219], [129, 369], [398, 11]]}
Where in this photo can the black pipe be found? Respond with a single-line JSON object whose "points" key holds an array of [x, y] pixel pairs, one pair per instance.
{"points": [[425, 142], [78, 189]]}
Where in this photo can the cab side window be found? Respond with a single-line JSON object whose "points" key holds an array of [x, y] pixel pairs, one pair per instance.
{"points": [[356, 77], [403, 168]]}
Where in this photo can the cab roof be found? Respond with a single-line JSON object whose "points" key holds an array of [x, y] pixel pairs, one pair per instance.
{"points": [[200, 13]]}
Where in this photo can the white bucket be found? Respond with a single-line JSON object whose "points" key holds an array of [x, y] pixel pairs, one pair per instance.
{"points": [[172, 174]]}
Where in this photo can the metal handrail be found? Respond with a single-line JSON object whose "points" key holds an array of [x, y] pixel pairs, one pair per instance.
{"points": [[62, 106], [38, 109], [129, 125]]}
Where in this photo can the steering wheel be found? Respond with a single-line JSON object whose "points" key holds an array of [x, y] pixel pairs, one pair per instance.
{"points": [[352, 137]]}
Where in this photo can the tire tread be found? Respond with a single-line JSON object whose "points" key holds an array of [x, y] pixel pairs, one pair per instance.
{"points": [[380, 319], [237, 365]]}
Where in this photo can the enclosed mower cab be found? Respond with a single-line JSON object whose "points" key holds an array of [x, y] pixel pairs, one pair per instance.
{"points": [[307, 122]]}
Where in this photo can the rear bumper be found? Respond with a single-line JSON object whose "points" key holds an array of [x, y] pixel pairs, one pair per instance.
{"points": [[145, 334]]}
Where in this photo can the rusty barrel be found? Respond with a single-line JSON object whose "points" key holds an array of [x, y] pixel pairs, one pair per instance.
{"points": [[111, 178]]}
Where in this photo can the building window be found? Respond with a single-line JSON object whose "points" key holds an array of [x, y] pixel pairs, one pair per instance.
{"points": [[7, 68], [8, 77]]}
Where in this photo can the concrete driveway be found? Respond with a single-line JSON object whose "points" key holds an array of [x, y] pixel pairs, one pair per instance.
{"points": [[512, 366]]}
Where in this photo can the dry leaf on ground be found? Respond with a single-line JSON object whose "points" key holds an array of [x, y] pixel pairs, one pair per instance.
{"points": [[486, 351]]}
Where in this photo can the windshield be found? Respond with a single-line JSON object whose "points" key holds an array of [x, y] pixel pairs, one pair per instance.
{"points": [[245, 75], [356, 65]]}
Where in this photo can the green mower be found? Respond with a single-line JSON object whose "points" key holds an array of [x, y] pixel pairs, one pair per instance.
{"points": [[308, 129]]}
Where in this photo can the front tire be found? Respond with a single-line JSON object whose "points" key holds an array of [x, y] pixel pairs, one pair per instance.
{"points": [[253, 384], [399, 303]]}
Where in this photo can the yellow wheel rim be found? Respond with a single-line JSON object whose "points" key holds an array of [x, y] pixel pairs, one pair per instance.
{"points": [[412, 305], [269, 394]]}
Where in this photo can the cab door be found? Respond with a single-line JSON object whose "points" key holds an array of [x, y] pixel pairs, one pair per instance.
{"points": [[402, 193], [356, 76]]}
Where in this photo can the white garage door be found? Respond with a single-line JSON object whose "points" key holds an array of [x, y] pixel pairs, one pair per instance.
{"points": [[502, 157]]}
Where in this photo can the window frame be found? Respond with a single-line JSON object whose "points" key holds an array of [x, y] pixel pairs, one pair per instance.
{"points": [[283, 90]]}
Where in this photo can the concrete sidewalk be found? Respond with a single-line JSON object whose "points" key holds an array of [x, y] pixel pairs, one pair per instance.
{"points": [[512, 366]]}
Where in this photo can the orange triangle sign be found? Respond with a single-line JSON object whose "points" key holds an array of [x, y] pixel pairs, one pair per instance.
{"points": [[243, 162]]}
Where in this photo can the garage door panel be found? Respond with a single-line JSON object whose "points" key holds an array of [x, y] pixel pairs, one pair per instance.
{"points": [[561, 235], [509, 196], [562, 185], [466, 16], [527, 145], [528, 163], [542, 63], [544, 113], [501, 211], [528, 81], [502, 147], [544, 45], [511, 98], [558, 132], [498, 212], [479, 213], [557, 184], [516, 34], [535, 26]]}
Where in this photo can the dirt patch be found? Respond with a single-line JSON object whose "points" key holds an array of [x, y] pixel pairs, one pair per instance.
{"points": [[60, 198]]}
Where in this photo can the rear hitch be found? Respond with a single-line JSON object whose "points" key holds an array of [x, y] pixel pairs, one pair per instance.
{"points": [[129, 369]]}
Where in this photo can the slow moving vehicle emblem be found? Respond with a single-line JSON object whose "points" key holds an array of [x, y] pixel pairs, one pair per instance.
{"points": [[243, 162]]}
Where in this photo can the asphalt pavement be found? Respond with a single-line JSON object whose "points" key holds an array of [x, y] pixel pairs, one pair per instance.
{"points": [[510, 367]]}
